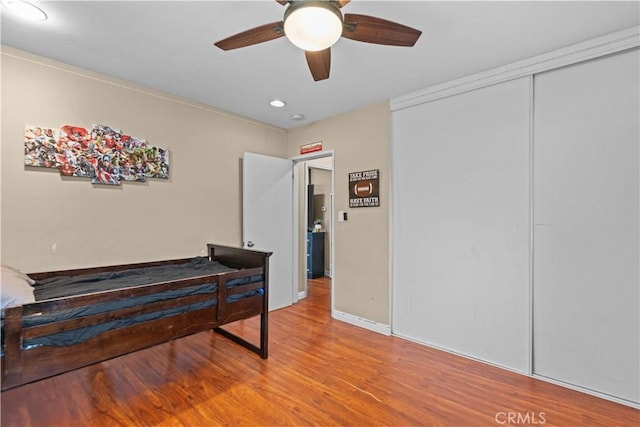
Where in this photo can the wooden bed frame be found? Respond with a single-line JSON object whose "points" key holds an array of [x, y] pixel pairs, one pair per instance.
{"points": [[21, 366]]}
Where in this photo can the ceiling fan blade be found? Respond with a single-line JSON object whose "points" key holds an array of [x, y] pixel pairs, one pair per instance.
{"points": [[319, 63], [282, 2], [253, 36], [342, 3], [370, 29]]}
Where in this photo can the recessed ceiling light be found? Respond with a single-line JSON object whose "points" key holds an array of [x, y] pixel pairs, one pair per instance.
{"points": [[297, 117], [25, 10], [277, 103]]}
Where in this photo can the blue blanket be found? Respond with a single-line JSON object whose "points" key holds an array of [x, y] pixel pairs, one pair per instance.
{"points": [[63, 286]]}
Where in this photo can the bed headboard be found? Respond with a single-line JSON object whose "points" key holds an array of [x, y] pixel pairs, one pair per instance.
{"points": [[238, 257]]}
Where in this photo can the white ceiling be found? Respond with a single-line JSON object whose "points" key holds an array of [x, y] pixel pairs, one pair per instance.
{"points": [[168, 45]]}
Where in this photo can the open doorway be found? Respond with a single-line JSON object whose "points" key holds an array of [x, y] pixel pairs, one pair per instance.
{"points": [[315, 186], [319, 226]]}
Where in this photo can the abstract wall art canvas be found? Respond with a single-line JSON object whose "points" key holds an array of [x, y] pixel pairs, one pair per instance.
{"points": [[102, 154]]}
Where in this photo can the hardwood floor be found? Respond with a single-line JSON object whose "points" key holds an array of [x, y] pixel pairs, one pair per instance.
{"points": [[320, 372]]}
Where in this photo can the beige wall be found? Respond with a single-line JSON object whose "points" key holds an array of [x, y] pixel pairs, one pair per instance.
{"points": [[100, 225], [361, 142]]}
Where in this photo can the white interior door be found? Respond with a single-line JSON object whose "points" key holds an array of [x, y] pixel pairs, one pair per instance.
{"points": [[267, 220]]}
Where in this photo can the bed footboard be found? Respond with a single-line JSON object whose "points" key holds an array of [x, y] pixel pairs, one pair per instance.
{"points": [[251, 263]]}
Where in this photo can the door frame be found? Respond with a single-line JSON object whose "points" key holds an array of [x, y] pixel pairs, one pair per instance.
{"points": [[297, 205]]}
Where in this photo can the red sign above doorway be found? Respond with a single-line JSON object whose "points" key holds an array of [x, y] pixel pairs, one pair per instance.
{"points": [[310, 148]]}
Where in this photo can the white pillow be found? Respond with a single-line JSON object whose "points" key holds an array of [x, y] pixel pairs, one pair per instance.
{"points": [[15, 287]]}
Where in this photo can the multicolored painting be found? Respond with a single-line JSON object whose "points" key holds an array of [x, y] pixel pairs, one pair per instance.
{"points": [[104, 155]]}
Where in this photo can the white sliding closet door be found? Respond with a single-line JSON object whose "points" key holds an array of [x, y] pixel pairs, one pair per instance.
{"points": [[586, 199], [461, 223]]}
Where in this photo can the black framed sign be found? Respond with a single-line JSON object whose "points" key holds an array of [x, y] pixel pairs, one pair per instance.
{"points": [[364, 189]]}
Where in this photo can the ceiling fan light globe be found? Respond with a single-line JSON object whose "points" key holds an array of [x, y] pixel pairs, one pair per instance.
{"points": [[25, 10], [313, 27]]}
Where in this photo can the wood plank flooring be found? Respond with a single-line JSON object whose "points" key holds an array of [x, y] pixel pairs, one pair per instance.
{"points": [[320, 372]]}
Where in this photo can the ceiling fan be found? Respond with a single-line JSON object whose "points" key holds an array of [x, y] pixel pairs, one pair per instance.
{"points": [[315, 26]]}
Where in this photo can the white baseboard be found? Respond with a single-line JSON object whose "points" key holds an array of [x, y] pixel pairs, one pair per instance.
{"points": [[457, 353], [517, 371], [380, 328], [302, 295], [595, 393]]}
